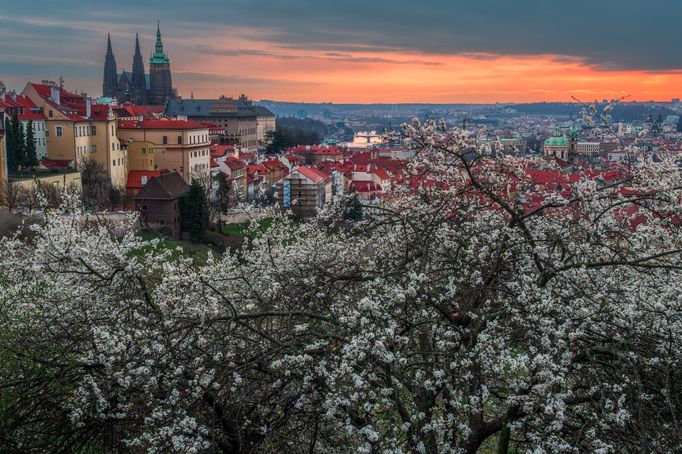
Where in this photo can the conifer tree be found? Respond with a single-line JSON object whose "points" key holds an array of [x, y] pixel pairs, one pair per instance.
{"points": [[15, 148], [9, 144], [30, 157], [194, 211]]}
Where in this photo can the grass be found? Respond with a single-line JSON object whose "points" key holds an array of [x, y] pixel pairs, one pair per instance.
{"points": [[241, 229], [198, 252]]}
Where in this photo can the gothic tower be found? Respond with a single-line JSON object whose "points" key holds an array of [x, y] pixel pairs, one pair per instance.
{"points": [[109, 83], [160, 84], [139, 82]]}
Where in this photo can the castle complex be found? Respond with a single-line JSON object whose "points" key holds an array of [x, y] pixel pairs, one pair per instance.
{"points": [[138, 87]]}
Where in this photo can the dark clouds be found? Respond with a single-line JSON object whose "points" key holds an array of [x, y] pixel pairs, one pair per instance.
{"points": [[608, 34], [612, 34]]}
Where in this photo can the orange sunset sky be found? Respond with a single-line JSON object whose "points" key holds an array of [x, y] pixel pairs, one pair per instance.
{"points": [[374, 51]]}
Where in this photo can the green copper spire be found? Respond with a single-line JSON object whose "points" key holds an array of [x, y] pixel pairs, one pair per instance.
{"points": [[158, 57]]}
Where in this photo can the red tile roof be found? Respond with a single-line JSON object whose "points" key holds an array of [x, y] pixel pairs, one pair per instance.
{"points": [[313, 174], [234, 163], [138, 178], [163, 123], [365, 186]]}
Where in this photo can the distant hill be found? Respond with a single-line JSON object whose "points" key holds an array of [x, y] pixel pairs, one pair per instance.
{"points": [[622, 112]]}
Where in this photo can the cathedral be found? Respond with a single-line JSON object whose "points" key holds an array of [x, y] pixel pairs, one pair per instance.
{"points": [[138, 87]]}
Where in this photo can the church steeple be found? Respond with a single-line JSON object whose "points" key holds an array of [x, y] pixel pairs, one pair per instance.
{"points": [[139, 83], [159, 57], [109, 82], [160, 79]]}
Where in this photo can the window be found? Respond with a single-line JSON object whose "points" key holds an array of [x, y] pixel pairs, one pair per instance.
{"points": [[165, 140], [93, 130], [112, 130], [113, 163], [113, 147], [49, 114], [144, 207], [59, 131], [93, 149], [179, 140]]}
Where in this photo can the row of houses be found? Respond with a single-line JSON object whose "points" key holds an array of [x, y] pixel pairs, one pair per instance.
{"points": [[128, 140]]}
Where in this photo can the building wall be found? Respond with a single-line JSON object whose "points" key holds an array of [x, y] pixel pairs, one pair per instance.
{"points": [[141, 156], [263, 126], [588, 147], [62, 180], [560, 152], [190, 156], [245, 128], [161, 216], [306, 197], [39, 129]]}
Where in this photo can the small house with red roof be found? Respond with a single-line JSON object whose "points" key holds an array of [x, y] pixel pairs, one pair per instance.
{"points": [[137, 179]]}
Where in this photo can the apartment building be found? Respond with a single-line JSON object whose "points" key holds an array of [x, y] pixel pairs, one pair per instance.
{"points": [[182, 146]]}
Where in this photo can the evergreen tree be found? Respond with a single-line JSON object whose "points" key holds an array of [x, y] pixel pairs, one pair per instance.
{"points": [[30, 157], [15, 148], [275, 140], [9, 144], [353, 211], [194, 211]]}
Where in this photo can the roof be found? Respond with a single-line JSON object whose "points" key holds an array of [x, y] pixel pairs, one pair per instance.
{"points": [[55, 164], [234, 163], [381, 173], [365, 186], [218, 151], [162, 123], [167, 186], [557, 141], [131, 110], [29, 110], [205, 108], [312, 174], [71, 105], [137, 179]]}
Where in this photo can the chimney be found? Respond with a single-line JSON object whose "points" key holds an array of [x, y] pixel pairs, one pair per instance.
{"points": [[54, 95], [88, 108]]}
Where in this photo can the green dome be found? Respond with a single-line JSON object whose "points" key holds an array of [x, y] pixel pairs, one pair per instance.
{"points": [[557, 141]]}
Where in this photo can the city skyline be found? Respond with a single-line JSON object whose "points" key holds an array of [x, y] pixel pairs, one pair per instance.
{"points": [[485, 52]]}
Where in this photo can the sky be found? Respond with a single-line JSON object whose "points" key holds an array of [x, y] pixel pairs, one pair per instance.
{"points": [[365, 51]]}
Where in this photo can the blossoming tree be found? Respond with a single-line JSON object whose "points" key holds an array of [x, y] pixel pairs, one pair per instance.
{"points": [[454, 319]]}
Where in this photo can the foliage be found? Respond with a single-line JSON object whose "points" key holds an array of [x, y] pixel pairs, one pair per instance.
{"points": [[353, 210], [15, 143], [452, 319], [194, 211], [291, 132], [30, 156]]}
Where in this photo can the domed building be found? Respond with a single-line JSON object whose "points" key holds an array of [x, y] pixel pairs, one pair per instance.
{"points": [[560, 147]]}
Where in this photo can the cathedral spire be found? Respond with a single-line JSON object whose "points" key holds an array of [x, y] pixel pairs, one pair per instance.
{"points": [[109, 51], [139, 81], [110, 79], [137, 46], [158, 57]]}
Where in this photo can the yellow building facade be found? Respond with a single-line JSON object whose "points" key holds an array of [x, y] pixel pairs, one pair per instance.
{"points": [[141, 155], [78, 130], [181, 146]]}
